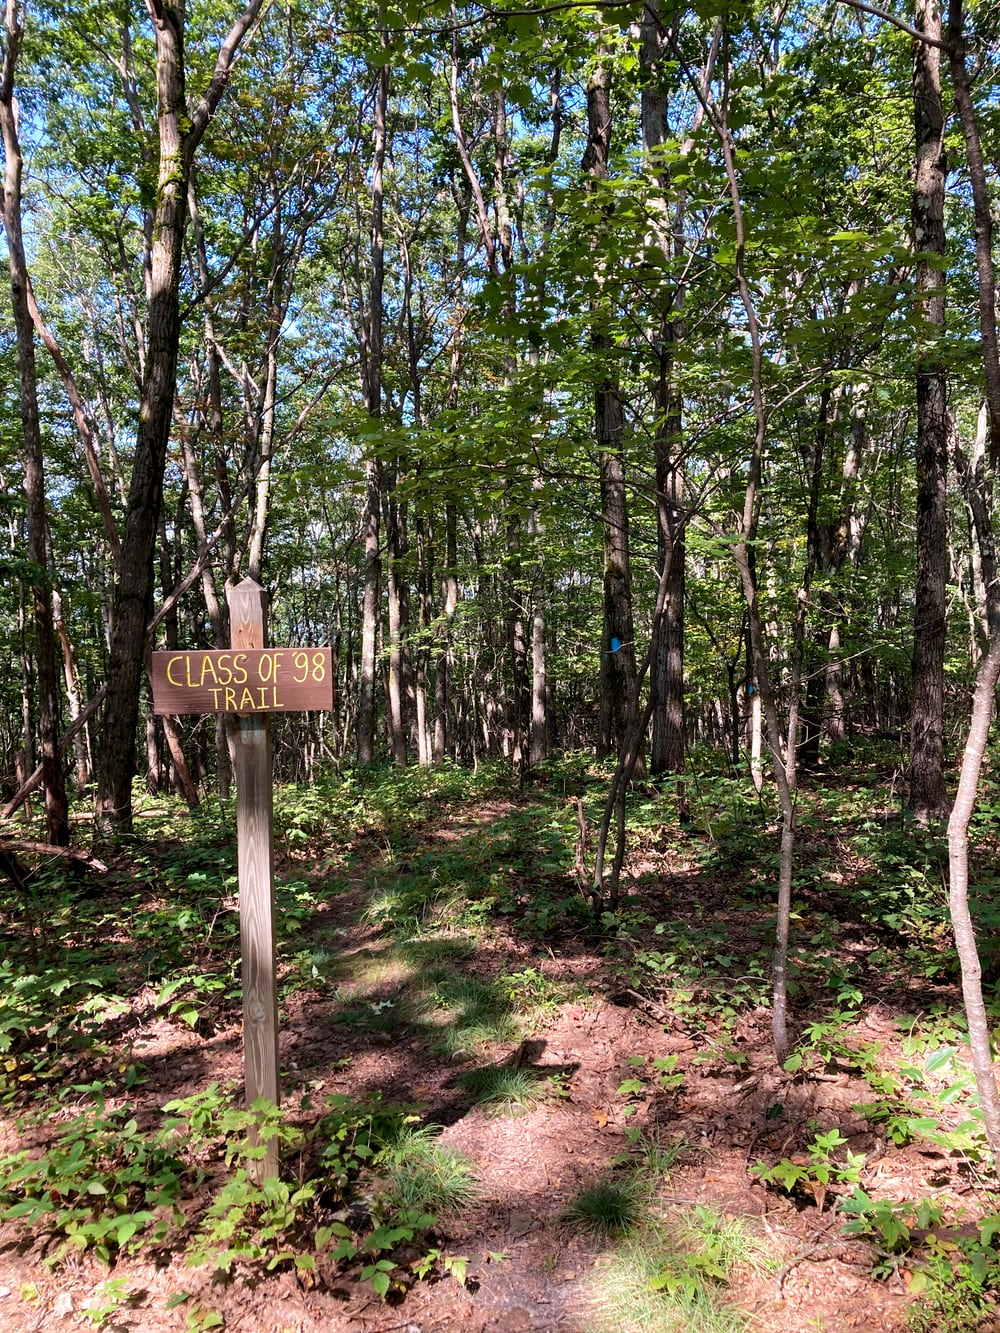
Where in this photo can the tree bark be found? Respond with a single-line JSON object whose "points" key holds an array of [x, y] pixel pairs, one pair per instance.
{"points": [[618, 665], [667, 745], [46, 660], [179, 135], [372, 389], [928, 795], [958, 895], [977, 481]]}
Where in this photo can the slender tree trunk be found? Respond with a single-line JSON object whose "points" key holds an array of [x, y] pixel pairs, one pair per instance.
{"points": [[519, 706], [72, 686], [372, 386], [443, 672], [395, 598], [46, 659], [667, 747], [217, 610], [928, 795], [978, 482], [539, 672], [958, 894], [668, 743], [264, 452], [425, 577], [618, 665], [744, 557]]}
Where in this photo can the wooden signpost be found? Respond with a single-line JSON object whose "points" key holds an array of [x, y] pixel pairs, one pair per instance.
{"points": [[250, 681]]}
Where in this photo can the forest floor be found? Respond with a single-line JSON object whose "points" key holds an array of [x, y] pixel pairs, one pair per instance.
{"points": [[552, 1063]]}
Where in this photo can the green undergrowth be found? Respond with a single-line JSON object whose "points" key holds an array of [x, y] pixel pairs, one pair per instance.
{"points": [[364, 1187], [667, 1268], [470, 897]]}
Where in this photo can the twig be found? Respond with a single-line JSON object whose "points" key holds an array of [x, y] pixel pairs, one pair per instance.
{"points": [[810, 1248], [658, 1009]]}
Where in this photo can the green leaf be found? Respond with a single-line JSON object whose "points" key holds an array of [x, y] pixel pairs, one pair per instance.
{"points": [[939, 1059]]}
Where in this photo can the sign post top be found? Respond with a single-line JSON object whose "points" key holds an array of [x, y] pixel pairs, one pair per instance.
{"points": [[247, 608], [247, 678]]}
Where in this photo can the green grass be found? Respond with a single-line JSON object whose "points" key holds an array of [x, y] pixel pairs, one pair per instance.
{"points": [[419, 1172], [469, 1014], [652, 1157], [674, 1278], [505, 1090], [610, 1208]]}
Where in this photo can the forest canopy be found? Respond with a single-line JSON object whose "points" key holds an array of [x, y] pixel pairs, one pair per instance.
{"points": [[466, 332]]}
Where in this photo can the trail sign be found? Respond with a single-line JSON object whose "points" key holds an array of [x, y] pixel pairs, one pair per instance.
{"points": [[252, 682]]}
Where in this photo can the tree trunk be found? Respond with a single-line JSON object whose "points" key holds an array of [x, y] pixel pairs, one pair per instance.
{"points": [[179, 135], [977, 480], [372, 387], [744, 557], [617, 666], [667, 747], [928, 795], [519, 707], [958, 895], [46, 660], [539, 673], [395, 541], [443, 671]]}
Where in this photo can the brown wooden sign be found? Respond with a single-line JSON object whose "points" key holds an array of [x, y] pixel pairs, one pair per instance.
{"points": [[243, 680]]}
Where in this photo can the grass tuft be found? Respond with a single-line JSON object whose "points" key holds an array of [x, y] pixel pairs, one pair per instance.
{"points": [[505, 1090], [674, 1279], [471, 1014], [423, 1174], [609, 1209]]}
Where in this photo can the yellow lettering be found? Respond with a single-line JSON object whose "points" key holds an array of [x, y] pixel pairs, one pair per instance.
{"points": [[262, 704], [215, 699], [208, 669], [270, 665], [301, 663], [225, 671], [319, 666], [230, 700], [246, 702], [170, 667], [239, 669], [274, 697]]}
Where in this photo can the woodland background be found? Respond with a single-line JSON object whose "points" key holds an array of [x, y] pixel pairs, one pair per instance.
{"points": [[616, 388], [468, 332]]}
